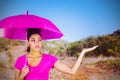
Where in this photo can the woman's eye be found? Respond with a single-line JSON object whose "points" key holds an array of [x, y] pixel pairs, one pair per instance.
{"points": [[33, 40], [40, 40]]}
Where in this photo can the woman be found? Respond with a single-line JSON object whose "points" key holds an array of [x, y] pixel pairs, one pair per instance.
{"points": [[36, 65]]}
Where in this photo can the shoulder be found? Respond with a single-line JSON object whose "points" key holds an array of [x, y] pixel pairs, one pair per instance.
{"points": [[50, 57], [22, 57], [20, 62]]}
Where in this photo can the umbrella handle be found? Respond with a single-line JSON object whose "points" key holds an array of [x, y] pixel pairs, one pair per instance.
{"points": [[27, 12], [25, 64]]}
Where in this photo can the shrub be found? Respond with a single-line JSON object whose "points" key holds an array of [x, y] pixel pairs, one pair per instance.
{"points": [[109, 64]]}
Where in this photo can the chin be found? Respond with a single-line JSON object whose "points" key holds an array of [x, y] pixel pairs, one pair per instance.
{"points": [[36, 49]]}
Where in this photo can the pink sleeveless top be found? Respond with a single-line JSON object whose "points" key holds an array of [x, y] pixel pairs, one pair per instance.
{"points": [[39, 72]]}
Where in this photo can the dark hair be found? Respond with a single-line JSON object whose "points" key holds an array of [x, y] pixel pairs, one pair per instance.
{"points": [[31, 31], [28, 49]]}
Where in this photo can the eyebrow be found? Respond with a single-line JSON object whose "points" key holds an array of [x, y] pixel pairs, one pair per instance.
{"points": [[32, 38], [37, 38]]}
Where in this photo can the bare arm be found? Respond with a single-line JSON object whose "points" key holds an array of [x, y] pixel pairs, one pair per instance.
{"points": [[64, 68], [19, 75]]}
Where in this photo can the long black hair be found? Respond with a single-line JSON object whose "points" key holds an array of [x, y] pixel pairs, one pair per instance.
{"points": [[30, 32]]}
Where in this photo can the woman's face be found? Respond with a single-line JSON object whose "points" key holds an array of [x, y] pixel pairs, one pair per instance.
{"points": [[35, 42]]}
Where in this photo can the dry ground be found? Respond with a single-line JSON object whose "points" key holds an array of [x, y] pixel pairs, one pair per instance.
{"points": [[87, 70]]}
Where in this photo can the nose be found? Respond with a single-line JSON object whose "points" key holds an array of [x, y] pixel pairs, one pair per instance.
{"points": [[37, 42]]}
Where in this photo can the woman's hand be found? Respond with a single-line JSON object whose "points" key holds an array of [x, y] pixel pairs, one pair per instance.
{"points": [[85, 50], [24, 72]]}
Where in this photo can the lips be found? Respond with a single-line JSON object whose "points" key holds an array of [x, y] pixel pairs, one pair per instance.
{"points": [[37, 47]]}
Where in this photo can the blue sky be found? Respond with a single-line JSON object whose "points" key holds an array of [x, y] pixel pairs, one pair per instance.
{"points": [[77, 19]]}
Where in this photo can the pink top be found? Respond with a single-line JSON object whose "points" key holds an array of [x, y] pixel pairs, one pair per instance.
{"points": [[39, 72]]}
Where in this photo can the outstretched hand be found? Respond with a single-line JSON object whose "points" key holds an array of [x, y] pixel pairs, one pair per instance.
{"points": [[89, 49]]}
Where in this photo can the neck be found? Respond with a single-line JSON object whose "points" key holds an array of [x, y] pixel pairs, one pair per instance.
{"points": [[35, 53]]}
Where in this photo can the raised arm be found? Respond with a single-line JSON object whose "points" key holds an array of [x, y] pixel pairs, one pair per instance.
{"points": [[64, 68]]}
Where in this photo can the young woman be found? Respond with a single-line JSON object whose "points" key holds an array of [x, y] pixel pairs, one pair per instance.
{"points": [[36, 65]]}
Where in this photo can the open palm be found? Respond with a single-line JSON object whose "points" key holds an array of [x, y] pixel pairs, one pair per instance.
{"points": [[89, 49]]}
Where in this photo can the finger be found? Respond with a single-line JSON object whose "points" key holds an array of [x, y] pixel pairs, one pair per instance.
{"points": [[27, 70], [25, 67], [95, 46]]}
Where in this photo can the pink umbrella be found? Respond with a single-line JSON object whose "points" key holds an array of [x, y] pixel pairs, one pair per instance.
{"points": [[16, 26]]}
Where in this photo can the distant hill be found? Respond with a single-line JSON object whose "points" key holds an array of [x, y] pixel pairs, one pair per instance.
{"points": [[115, 33]]}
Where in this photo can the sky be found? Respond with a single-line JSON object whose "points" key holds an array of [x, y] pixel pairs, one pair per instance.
{"points": [[77, 19]]}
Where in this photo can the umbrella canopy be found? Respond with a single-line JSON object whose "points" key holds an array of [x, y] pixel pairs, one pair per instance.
{"points": [[16, 26]]}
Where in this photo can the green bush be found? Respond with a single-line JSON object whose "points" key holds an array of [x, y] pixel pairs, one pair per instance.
{"points": [[3, 44], [108, 46]]}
